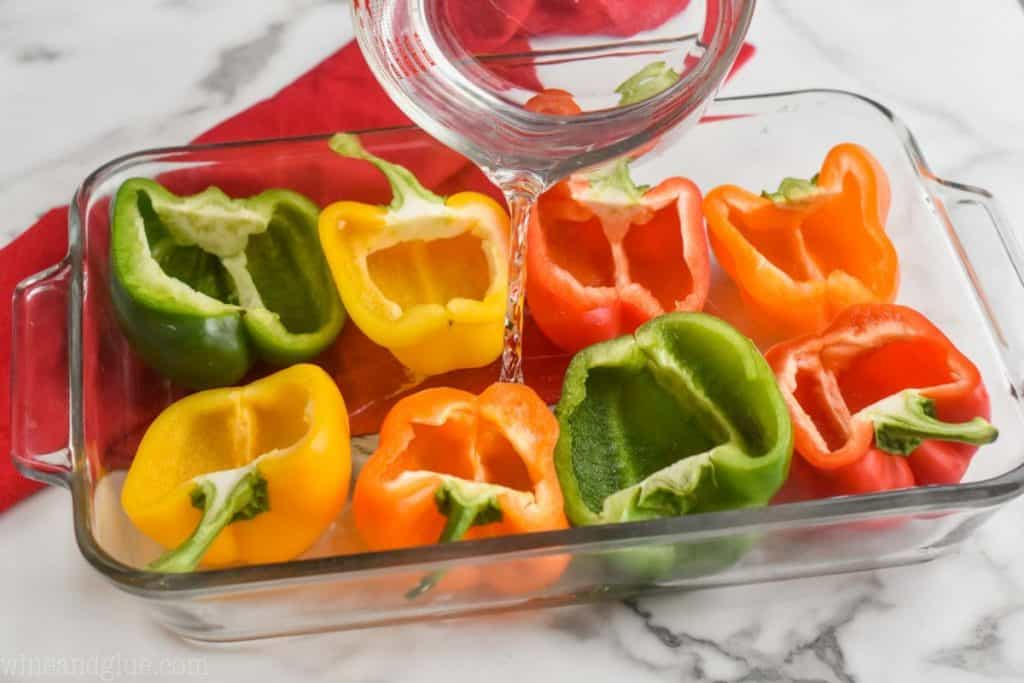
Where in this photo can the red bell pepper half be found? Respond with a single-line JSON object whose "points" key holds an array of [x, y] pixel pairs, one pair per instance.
{"points": [[880, 400], [605, 256]]}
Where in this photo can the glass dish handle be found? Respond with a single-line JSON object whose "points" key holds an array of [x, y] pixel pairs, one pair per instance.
{"points": [[39, 376], [987, 244]]}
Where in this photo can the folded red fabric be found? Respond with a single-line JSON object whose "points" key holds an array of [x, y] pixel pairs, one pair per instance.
{"points": [[311, 104]]}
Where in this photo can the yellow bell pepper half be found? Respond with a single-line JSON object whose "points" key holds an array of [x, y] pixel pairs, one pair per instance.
{"points": [[426, 276], [242, 475]]}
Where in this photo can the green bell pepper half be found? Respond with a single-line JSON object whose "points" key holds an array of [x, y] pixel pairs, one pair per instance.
{"points": [[682, 417], [204, 285]]}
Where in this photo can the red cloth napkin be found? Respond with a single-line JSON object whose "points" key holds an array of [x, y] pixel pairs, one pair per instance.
{"points": [[312, 104]]}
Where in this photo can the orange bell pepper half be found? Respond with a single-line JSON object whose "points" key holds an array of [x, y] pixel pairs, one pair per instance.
{"points": [[802, 254], [880, 400], [451, 465]]}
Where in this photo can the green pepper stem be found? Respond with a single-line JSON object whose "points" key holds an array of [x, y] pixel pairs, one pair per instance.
{"points": [[794, 190], [614, 184], [646, 83], [672, 491], [902, 421], [224, 497], [405, 187], [465, 504]]}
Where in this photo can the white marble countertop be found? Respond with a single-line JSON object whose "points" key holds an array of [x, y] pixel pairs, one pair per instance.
{"points": [[84, 82]]}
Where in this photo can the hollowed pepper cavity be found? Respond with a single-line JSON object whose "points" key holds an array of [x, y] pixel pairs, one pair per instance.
{"points": [[452, 466], [204, 285], [681, 417], [880, 400], [802, 254], [244, 475], [426, 276]]}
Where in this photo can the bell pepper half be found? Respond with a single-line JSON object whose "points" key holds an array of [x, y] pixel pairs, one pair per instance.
{"points": [[804, 253], [202, 285], [604, 256], [452, 465], [425, 277], [681, 417], [242, 475], [880, 400]]}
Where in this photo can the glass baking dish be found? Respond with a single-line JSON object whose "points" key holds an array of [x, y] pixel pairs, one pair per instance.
{"points": [[80, 397]]}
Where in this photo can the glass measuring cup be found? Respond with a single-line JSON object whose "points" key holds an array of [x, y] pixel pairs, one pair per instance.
{"points": [[464, 72]]}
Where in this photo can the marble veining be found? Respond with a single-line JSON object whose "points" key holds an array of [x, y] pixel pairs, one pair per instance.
{"points": [[237, 65], [980, 654], [817, 654], [83, 85], [191, 65], [37, 53]]}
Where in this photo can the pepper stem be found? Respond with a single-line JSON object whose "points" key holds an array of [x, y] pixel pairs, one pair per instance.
{"points": [[465, 504], [405, 186], [646, 83], [222, 501], [794, 190], [614, 179], [902, 421]]}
